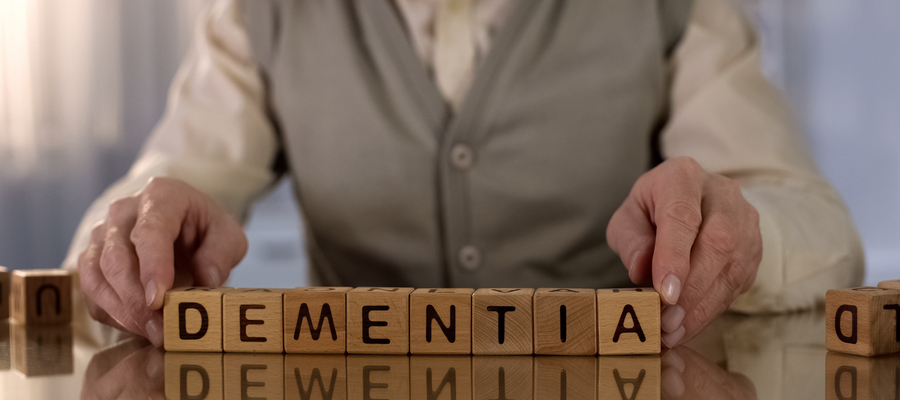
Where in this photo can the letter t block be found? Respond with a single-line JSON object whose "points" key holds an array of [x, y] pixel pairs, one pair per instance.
{"points": [[862, 321], [502, 321], [378, 320], [192, 318], [628, 321]]}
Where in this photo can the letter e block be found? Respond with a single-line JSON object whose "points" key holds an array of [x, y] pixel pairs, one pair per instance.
{"points": [[252, 321], [570, 378], [315, 320], [373, 377], [862, 321], [378, 320], [565, 322], [628, 321], [193, 376], [253, 376], [440, 321], [192, 317], [315, 377], [42, 297], [4, 293], [861, 378], [629, 377], [502, 321]]}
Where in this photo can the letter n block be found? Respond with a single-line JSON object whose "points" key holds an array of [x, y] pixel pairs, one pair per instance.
{"points": [[861, 378], [4, 293], [628, 321], [378, 320], [252, 321], [502, 321], [862, 321], [440, 377], [315, 320], [193, 376], [565, 322], [192, 318], [42, 297], [440, 321]]}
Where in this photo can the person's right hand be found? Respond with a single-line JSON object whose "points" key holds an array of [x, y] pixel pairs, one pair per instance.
{"points": [[169, 233]]}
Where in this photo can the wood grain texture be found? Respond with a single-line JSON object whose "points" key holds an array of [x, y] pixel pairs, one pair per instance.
{"points": [[5, 355], [4, 293], [378, 320], [377, 377], [252, 321], [629, 377], [861, 378], [502, 321], [41, 296], [315, 320], [315, 377], [892, 284], [862, 321], [42, 350], [628, 321], [192, 319], [565, 322], [440, 321], [570, 378], [503, 377], [253, 376], [193, 376], [440, 377]]}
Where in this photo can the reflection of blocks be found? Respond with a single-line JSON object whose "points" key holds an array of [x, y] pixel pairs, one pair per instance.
{"points": [[571, 378], [4, 346], [252, 321], [253, 376], [192, 318], [378, 320], [565, 322], [861, 378], [629, 377], [502, 321], [377, 377], [4, 293], [314, 320], [193, 376], [862, 321], [440, 377], [440, 321], [315, 377], [628, 321], [502, 377], [42, 350], [42, 296]]}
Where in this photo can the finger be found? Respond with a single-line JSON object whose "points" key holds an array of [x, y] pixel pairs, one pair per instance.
{"points": [[94, 285], [699, 379], [128, 379], [222, 248], [631, 236], [724, 289], [158, 224]]}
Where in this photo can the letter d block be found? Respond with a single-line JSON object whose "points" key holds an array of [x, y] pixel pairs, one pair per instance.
{"points": [[861, 378], [4, 293], [193, 376], [315, 320], [628, 321], [378, 320], [252, 321], [192, 317], [862, 321], [502, 321], [42, 297], [440, 321]]}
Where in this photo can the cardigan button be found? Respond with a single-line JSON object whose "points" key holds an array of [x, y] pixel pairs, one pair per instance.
{"points": [[462, 156], [469, 257]]}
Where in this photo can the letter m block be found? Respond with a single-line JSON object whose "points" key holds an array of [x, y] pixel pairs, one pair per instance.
{"points": [[192, 317], [315, 320], [862, 321]]}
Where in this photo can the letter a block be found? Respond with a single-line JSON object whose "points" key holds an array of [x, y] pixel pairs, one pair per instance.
{"points": [[502, 321], [252, 321], [378, 320], [629, 377], [42, 297], [440, 321], [862, 321], [315, 320], [628, 321], [861, 378], [565, 322], [4, 293], [192, 317]]}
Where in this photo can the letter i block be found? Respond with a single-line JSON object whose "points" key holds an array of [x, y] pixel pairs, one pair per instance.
{"points": [[315, 320], [862, 321], [252, 320], [440, 321], [193, 376], [192, 319], [563, 377], [565, 322], [378, 320], [502, 321], [42, 297], [861, 378], [628, 321], [253, 376], [4, 293]]}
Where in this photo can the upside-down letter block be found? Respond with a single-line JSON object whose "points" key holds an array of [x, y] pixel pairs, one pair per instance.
{"points": [[892, 284], [565, 322], [315, 377], [252, 321], [253, 376], [373, 377], [192, 319], [570, 378], [503, 377], [4, 293], [42, 350], [862, 321], [861, 378], [440, 321], [629, 377], [378, 320], [502, 321], [193, 376], [315, 320], [628, 321], [440, 377], [42, 297]]}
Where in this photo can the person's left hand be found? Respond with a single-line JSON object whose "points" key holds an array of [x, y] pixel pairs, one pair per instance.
{"points": [[694, 237]]}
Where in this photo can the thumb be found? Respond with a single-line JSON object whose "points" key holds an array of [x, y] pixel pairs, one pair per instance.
{"points": [[631, 235]]}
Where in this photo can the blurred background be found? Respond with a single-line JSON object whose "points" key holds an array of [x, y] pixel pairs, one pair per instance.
{"points": [[83, 82]]}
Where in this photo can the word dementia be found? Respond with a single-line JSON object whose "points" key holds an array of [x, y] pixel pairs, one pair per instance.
{"points": [[391, 320]]}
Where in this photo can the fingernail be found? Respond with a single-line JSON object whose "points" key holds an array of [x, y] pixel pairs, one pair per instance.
{"points": [[154, 331], [154, 365], [672, 384], [673, 360], [214, 276], [672, 317], [150, 292], [633, 264], [671, 289], [674, 338]]}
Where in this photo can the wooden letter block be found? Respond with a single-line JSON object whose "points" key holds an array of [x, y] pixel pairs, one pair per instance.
{"points": [[42, 297], [254, 376], [378, 320], [629, 377], [41, 350], [862, 321], [893, 284], [440, 321], [628, 321], [5, 355], [252, 321], [378, 377], [315, 377], [4, 293], [861, 378], [440, 377], [502, 321], [565, 322], [571, 378], [192, 318], [502, 377], [193, 376], [315, 320]]}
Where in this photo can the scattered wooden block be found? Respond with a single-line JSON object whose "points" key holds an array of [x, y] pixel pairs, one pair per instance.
{"points": [[440, 377], [440, 321], [629, 377], [571, 378], [502, 321], [378, 320], [565, 322], [315, 377], [193, 376], [252, 320], [315, 320], [892, 284], [377, 377], [4, 293], [861, 378], [502, 377], [254, 376], [42, 350], [192, 319], [628, 321], [42, 297], [862, 321]]}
